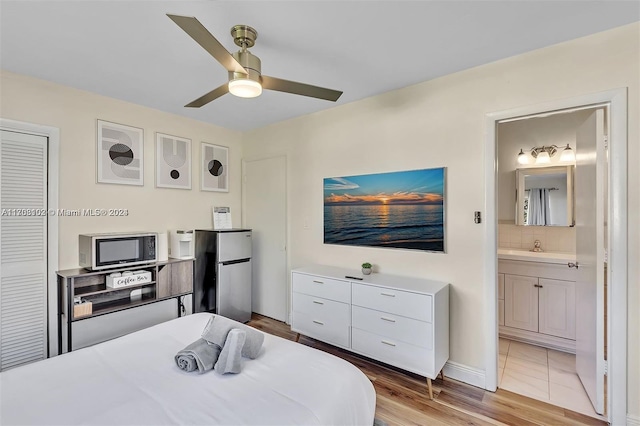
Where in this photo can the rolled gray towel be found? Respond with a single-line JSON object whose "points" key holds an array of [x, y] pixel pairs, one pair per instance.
{"points": [[201, 355], [218, 327], [230, 360]]}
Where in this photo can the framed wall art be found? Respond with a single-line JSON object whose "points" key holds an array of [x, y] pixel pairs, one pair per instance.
{"points": [[120, 154], [214, 168], [173, 162], [391, 210]]}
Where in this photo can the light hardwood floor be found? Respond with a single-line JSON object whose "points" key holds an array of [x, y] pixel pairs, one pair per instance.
{"points": [[402, 397]]}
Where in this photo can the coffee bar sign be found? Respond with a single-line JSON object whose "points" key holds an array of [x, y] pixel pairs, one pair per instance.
{"points": [[128, 278]]}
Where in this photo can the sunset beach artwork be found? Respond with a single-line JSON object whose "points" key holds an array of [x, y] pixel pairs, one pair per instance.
{"points": [[395, 210]]}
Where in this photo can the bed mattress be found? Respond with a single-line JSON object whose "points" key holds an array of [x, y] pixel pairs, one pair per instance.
{"points": [[133, 380]]}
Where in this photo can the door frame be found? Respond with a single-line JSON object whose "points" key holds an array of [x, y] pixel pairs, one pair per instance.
{"points": [[286, 207], [53, 154], [617, 241]]}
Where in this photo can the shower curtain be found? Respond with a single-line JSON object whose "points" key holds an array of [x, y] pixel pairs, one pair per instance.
{"points": [[539, 213]]}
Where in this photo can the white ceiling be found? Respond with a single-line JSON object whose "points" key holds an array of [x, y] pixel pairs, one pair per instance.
{"points": [[131, 50]]}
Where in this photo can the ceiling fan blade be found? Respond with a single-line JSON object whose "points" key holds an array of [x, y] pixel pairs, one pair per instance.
{"points": [[296, 88], [204, 38], [212, 95]]}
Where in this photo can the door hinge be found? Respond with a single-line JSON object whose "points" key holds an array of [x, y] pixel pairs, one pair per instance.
{"points": [[606, 368], [606, 142]]}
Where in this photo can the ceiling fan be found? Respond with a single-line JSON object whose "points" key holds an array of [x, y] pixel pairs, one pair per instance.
{"points": [[245, 78]]}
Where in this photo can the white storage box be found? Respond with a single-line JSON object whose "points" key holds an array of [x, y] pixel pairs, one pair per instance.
{"points": [[136, 278]]}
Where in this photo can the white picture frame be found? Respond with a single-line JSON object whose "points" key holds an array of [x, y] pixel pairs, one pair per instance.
{"points": [[214, 168], [173, 161], [119, 154]]}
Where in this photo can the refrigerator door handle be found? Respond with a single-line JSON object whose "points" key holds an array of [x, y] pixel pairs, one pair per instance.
{"points": [[231, 262]]}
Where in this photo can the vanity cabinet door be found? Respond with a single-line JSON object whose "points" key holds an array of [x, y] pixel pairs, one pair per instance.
{"points": [[558, 308], [521, 302]]}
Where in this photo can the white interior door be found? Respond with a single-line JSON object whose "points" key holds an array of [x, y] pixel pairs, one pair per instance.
{"points": [[589, 199], [23, 248], [265, 209]]}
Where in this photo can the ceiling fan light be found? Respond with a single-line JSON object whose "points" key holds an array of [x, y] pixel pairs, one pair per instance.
{"points": [[568, 156], [543, 158], [245, 88]]}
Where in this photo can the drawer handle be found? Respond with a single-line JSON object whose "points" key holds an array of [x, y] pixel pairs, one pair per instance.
{"points": [[319, 303], [387, 343], [387, 319], [318, 322], [388, 294], [318, 282]]}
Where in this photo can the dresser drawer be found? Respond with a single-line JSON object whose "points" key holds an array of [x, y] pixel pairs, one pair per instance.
{"points": [[418, 333], [326, 288], [403, 303], [330, 330], [322, 309], [394, 352]]}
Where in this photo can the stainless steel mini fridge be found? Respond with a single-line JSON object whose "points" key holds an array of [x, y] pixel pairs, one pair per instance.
{"points": [[223, 273]]}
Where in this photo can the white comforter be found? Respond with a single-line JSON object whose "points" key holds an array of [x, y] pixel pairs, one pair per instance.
{"points": [[134, 380]]}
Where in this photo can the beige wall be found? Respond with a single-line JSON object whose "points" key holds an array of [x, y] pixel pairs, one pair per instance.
{"points": [[75, 113], [442, 123]]}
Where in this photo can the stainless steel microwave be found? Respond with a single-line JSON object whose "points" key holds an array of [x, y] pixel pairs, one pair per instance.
{"points": [[115, 250]]}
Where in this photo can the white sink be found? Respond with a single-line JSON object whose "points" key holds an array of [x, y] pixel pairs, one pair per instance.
{"points": [[531, 256]]}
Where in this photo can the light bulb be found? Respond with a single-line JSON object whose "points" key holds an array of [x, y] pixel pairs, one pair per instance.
{"points": [[543, 158], [523, 158], [245, 88], [568, 156]]}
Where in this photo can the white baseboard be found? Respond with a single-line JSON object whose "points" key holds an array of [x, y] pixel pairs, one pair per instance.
{"points": [[465, 374], [539, 339], [633, 420]]}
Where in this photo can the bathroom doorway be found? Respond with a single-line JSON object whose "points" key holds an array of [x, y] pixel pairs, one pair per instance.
{"points": [[536, 291], [536, 242]]}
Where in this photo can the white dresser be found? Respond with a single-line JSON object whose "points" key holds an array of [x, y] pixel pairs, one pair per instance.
{"points": [[401, 321]]}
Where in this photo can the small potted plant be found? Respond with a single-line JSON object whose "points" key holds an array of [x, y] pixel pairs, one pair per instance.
{"points": [[366, 268]]}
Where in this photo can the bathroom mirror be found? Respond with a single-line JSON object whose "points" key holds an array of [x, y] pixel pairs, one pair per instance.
{"points": [[545, 196]]}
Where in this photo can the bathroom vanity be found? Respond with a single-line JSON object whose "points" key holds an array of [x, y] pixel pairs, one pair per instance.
{"points": [[536, 298]]}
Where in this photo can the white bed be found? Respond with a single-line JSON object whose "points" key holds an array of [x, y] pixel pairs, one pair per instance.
{"points": [[134, 380]]}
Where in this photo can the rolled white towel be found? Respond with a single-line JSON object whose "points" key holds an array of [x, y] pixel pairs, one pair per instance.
{"points": [[201, 355], [218, 328], [230, 360]]}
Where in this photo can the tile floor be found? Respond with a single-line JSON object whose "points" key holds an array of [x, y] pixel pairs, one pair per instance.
{"points": [[542, 374]]}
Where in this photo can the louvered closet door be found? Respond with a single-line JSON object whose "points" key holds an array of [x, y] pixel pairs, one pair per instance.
{"points": [[23, 249]]}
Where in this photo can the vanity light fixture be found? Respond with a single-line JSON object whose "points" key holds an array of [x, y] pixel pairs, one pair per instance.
{"points": [[568, 155], [543, 157], [543, 154], [523, 158]]}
